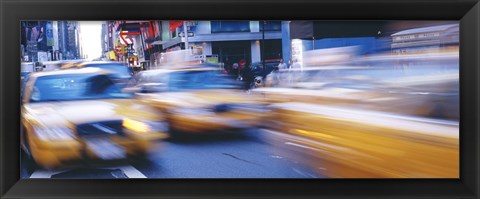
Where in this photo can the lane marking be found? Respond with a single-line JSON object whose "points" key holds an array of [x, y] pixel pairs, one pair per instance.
{"points": [[41, 173], [130, 171]]}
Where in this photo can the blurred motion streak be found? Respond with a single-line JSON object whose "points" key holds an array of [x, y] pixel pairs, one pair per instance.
{"points": [[345, 105], [382, 116], [365, 144], [198, 99], [78, 114]]}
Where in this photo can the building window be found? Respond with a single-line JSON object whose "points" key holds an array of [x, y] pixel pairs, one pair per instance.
{"points": [[271, 26], [230, 26], [174, 33]]}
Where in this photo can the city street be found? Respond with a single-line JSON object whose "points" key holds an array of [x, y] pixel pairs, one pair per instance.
{"points": [[107, 99], [244, 155]]}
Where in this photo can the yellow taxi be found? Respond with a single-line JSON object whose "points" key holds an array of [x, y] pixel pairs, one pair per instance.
{"points": [[340, 142], [120, 72], [71, 115], [426, 95], [359, 122], [199, 99]]}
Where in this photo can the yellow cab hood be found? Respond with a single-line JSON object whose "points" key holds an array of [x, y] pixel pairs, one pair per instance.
{"points": [[84, 111], [201, 98]]}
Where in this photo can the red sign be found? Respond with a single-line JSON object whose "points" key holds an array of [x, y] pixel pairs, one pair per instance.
{"points": [[124, 39], [118, 49], [175, 24]]}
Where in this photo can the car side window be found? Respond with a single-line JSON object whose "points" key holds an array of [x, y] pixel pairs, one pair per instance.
{"points": [[35, 96]]}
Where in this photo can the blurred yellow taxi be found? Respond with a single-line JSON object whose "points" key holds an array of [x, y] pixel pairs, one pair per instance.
{"points": [[199, 99], [70, 115], [364, 122], [339, 142], [120, 73], [417, 93]]}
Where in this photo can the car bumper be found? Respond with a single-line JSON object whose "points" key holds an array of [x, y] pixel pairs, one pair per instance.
{"points": [[51, 155]]}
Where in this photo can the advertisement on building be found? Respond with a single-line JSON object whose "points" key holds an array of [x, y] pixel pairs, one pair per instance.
{"points": [[211, 59]]}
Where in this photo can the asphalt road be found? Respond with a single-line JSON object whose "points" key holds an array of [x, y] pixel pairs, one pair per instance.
{"points": [[241, 155]]}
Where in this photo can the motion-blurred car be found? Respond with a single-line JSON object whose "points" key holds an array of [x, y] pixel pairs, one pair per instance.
{"points": [[120, 72], [270, 65], [340, 142], [70, 115], [199, 99], [433, 95], [367, 122], [255, 73]]}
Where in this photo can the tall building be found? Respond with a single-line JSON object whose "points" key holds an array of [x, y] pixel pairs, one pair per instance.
{"points": [[37, 39], [108, 43], [68, 39], [78, 34], [425, 39], [104, 38], [228, 41], [218, 41]]}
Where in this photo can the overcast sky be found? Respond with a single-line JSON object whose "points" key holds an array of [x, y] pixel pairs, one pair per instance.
{"points": [[91, 38]]}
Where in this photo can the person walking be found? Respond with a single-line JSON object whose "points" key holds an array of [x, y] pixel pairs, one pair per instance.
{"points": [[235, 71], [282, 65]]}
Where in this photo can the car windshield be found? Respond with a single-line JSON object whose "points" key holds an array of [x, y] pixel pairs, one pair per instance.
{"points": [[199, 80], [120, 71], [75, 87]]}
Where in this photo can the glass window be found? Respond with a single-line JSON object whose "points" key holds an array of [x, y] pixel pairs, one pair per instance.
{"points": [[230, 26], [271, 25], [74, 87]]}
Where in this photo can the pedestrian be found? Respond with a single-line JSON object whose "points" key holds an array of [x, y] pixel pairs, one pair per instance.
{"points": [[241, 67], [282, 65], [227, 65], [235, 71], [248, 77]]}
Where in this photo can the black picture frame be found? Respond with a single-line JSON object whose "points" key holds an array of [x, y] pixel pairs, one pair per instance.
{"points": [[13, 11]]}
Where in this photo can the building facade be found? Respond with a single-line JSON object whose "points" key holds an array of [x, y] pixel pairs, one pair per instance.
{"points": [[426, 39], [68, 40], [43, 41], [213, 41], [226, 41]]}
